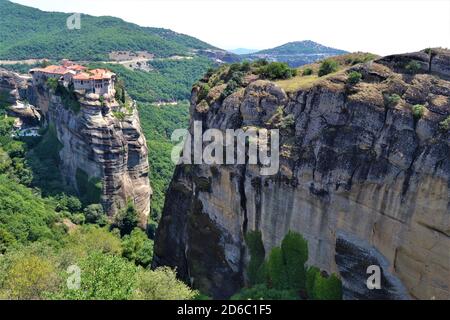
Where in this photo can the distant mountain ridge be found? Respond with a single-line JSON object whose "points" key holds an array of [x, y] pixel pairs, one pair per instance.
{"points": [[296, 53], [301, 47], [243, 51]]}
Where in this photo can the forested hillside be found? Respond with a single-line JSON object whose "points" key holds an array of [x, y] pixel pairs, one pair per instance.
{"points": [[22, 38]]}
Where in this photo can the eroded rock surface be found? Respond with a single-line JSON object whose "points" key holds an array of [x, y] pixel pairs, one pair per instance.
{"points": [[353, 161]]}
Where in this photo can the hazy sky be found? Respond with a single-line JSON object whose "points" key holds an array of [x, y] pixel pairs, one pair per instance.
{"points": [[381, 27]]}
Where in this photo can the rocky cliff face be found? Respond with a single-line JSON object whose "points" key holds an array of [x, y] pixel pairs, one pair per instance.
{"points": [[364, 180], [96, 146]]}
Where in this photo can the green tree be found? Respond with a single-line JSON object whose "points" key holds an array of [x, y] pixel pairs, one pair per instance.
{"points": [[94, 214], [127, 219], [255, 272], [86, 239], [161, 284], [277, 70], [28, 277], [104, 277], [327, 288], [277, 271], [295, 254], [7, 240], [68, 203], [137, 247], [311, 275], [78, 218]]}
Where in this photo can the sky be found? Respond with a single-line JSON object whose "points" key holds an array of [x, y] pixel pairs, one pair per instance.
{"points": [[382, 27]]}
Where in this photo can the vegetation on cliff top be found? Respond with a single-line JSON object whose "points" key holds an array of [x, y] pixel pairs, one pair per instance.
{"points": [[311, 74]]}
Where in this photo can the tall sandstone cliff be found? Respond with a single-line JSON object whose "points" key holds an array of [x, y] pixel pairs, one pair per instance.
{"points": [[95, 144], [361, 178]]}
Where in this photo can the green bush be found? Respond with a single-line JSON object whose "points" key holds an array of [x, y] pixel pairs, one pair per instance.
{"points": [[255, 272], [260, 62], [354, 77], [52, 83], [161, 284], [444, 125], [126, 220], [327, 288], [418, 111], [277, 70], [138, 248], [394, 99], [89, 238], [328, 66], [307, 71], [78, 218], [311, 275], [277, 271], [245, 66], [104, 277], [94, 214], [68, 203], [27, 275], [7, 240], [295, 254], [231, 87], [203, 92], [413, 67]]}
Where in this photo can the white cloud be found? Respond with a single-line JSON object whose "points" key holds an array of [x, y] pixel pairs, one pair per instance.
{"points": [[381, 27]]}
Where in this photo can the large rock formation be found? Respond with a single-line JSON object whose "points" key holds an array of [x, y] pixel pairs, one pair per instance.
{"points": [[364, 180], [97, 147]]}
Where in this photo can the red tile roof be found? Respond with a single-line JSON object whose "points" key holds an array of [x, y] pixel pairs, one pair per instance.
{"points": [[52, 70], [94, 74], [81, 71], [76, 67]]}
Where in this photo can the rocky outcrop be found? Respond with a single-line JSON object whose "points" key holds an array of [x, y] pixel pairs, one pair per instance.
{"points": [[100, 152], [107, 149], [11, 86], [364, 180]]}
